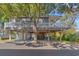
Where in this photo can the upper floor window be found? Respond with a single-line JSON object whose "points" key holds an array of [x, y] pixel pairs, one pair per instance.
{"points": [[43, 20]]}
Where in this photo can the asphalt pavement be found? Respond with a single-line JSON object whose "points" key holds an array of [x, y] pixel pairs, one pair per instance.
{"points": [[38, 52]]}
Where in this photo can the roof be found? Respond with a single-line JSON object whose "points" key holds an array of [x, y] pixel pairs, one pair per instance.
{"points": [[56, 13]]}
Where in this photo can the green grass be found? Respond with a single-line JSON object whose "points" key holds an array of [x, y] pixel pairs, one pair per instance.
{"points": [[6, 40]]}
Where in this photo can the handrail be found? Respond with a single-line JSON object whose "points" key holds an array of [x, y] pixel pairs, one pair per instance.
{"points": [[20, 25]]}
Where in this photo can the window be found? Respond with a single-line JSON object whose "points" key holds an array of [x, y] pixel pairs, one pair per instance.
{"points": [[43, 20]]}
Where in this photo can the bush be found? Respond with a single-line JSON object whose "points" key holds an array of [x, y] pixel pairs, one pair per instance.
{"points": [[71, 37]]}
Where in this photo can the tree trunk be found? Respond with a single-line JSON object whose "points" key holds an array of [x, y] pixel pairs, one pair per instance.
{"points": [[35, 37], [35, 32], [61, 35]]}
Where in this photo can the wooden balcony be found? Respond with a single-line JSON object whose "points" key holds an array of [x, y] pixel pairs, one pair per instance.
{"points": [[18, 26], [28, 26], [50, 27]]}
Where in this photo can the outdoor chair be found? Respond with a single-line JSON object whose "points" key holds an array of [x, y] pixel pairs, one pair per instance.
{"points": [[19, 42], [60, 45], [28, 42], [31, 43], [41, 42], [35, 44], [56, 44]]}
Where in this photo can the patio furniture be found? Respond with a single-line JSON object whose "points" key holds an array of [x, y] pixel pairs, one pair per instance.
{"points": [[19, 42], [28, 43]]}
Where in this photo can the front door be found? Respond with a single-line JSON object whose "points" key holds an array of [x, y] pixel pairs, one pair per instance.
{"points": [[41, 36]]}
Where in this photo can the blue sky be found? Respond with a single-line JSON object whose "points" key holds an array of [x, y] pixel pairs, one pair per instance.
{"points": [[57, 13], [77, 23]]}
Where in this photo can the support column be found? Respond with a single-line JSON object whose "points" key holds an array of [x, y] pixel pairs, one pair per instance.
{"points": [[48, 36], [25, 36], [0, 37], [48, 40], [10, 37], [17, 36]]}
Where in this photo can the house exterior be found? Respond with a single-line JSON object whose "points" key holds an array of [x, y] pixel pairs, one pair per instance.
{"points": [[27, 29]]}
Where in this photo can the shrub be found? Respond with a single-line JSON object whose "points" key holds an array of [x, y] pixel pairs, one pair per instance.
{"points": [[71, 37]]}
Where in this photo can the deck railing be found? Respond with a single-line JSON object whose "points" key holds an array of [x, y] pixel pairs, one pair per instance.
{"points": [[29, 25], [52, 26], [17, 25], [44, 26]]}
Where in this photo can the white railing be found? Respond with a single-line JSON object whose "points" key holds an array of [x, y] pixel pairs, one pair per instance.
{"points": [[9, 24], [20, 25], [17, 25]]}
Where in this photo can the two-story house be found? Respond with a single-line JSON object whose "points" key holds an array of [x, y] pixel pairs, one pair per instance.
{"points": [[26, 29]]}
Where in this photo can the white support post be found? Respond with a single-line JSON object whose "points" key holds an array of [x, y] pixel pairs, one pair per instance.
{"points": [[0, 37], [48, 39], [25, 36], [17, 36], [10, 37]]}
